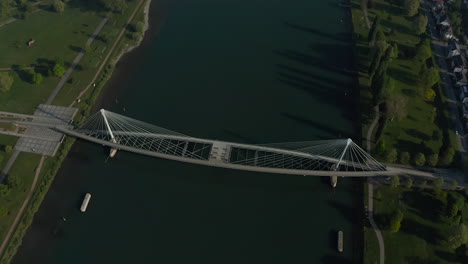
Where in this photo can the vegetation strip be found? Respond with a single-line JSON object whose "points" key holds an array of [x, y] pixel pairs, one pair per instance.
{"points": [[25, 203]]}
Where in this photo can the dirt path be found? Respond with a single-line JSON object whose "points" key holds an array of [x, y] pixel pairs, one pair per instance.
{"points": [[116, 42], [11, 69], [20, 212]]}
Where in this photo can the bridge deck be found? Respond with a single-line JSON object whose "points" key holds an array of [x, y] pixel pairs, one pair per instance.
{"points": [[218, 158]]}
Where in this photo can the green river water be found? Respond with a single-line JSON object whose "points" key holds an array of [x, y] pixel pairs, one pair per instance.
{"points": [[250, 71]]}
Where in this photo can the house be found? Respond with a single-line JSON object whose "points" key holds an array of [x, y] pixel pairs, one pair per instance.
{"points": [[453, 49], [460, 79], [446, 32], [464, 94], [458, 63]]}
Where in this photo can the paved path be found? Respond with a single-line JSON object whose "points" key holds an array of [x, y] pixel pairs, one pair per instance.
{"points": [[378, 233], [20, 212], [8, 165], [366, 17], [91, 83], [75, 62]]}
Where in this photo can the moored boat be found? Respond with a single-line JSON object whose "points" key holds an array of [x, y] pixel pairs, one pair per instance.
{"points": [[340, 241]]}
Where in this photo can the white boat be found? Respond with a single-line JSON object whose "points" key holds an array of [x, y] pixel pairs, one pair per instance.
{"points": [[340, 241], [85, 203]]}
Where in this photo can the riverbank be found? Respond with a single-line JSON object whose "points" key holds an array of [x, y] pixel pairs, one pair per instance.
{"points": [[53, 164]]}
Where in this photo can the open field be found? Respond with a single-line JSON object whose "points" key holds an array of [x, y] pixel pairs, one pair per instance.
{"points": [[423, 128]]}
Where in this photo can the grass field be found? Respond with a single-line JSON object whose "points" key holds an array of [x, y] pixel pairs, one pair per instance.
{"points": [[420, 131], [421, 228]]}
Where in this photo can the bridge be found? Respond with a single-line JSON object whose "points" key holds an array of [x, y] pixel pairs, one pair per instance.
{"points": [[341, 157]]}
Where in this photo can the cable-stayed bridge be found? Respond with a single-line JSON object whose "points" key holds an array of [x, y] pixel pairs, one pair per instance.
{"points": [[341, 157]]}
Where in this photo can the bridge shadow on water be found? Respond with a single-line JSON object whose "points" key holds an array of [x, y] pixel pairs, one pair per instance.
{"points": [[323, 128]]}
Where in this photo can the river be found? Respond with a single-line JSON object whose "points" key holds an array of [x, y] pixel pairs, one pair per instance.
{"points": [[253, 71]]}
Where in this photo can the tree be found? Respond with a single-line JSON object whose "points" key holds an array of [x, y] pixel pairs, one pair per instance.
{"points": [[429, 77], [379, 87], [395, 222], [420, 24], [379, 51], [391, 156], [36, 77], [405, 157], [446, 156], [58, 6], [395, 182], [5, 8], [433, 159], [457, 236], [373, 30], [396, 107], [411, 7], [419, 159], [423, 50], [59, 70], [409, 183], [6, 81], [429, 94]]}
